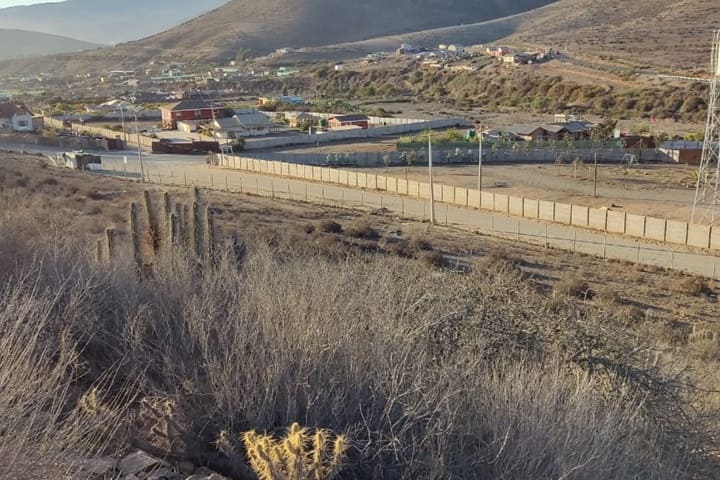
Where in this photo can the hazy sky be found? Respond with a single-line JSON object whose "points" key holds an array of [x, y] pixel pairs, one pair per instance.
{"points": [[12, 3]]}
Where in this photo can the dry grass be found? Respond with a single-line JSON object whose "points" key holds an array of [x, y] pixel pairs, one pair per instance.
{"points": [[362, 229], [433, 374], [573, 286], [695, 286], [330, 226]]}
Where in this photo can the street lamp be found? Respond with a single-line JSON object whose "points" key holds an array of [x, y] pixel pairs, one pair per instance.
{"points": [[137, 133]]}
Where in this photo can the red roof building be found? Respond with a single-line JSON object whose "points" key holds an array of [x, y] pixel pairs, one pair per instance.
{"points": [[339, 121], [188, 110]]}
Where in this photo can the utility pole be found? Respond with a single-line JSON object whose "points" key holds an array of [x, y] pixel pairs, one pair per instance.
{"points": [[139, 149], [122, 122], [480, 165], [595, 178], [432, 183]]}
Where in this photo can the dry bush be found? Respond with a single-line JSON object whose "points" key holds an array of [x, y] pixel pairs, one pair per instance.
{"points": [[330, 226], [695, 286], [500, 259], [608, 296], [434, 258], [573, 286], [435, 376], [362, 229], [419, 244], [308, 228]]}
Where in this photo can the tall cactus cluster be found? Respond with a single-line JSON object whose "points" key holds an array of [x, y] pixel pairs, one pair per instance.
{"points": [[166, 229]]}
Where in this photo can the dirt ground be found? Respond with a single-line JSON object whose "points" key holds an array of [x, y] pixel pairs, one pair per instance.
{"points": [[84, 204], [659, 190]]}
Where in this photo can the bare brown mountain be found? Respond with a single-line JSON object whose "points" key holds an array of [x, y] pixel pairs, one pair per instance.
{"points": [[270, 24], [259, 27]]}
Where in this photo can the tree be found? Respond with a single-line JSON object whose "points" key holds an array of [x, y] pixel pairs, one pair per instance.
{"points": [[604, 129]]}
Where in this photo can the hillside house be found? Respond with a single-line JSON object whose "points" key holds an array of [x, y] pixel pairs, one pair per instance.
{"points": [[298, 119], [16, 118], [188, 110], [249, 123], [498, 52], [344, 121], [680, 151], [552, 131]]}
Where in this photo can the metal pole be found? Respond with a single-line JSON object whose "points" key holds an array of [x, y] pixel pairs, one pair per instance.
{"points": [[139, 150], [595, 178], [432, 183], [480, 165]]}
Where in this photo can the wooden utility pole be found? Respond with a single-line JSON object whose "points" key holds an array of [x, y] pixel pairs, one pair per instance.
{"points": [[595, 176]]}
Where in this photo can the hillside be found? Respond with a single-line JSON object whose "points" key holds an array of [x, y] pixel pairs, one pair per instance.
{"points": [[243, 26], [21, 43], [672, 34], [104, 21], [259, 27]]}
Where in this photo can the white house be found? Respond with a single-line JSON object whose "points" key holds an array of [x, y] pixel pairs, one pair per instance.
{"points": [[15, 118], [250, 123]]}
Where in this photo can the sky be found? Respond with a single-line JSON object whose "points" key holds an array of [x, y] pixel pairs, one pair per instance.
{"points": [[12, 3]]}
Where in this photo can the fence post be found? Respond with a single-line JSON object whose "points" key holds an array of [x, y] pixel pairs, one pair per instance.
{"points": [[605, 246], [172, 177], [212, 181], [272, 189], [185, 177], [447, 210], [547, 241], [672, 260], [306, 192], [227, 189]]}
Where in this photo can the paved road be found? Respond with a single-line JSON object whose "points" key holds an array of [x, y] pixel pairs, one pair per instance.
{"points": [[179, 170]]}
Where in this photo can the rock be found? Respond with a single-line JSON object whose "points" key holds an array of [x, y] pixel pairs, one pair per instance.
{"points": [[186, 468], [139, 462], [99, 467], [211, 476]]}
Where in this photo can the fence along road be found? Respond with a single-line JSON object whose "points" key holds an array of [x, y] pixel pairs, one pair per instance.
{"points": [[192, 173]]}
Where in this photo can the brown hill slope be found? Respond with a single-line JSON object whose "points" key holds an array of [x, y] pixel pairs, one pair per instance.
{"points": [[265, 26], [657, 33]]}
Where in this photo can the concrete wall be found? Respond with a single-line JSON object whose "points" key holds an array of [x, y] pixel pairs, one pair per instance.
{"points": [[655, 228], [397, 129], [658, 229]]}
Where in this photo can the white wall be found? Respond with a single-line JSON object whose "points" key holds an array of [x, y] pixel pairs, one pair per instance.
{"points": [[22, 123]]}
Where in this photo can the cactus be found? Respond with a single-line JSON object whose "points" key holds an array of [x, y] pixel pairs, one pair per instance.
{"points": [[188, 228], [99, 251], [136, 235], [209, 235], [198, 228], [153, 223], [110, 241], [175, 231], [179, 226]]}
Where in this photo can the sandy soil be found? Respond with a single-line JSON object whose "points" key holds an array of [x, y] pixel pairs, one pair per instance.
{"points": [[655, 190]]}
